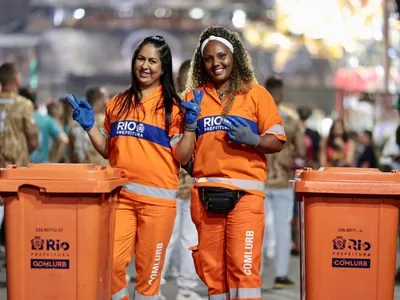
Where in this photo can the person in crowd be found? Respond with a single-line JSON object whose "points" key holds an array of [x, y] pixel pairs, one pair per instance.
{"points": [[338, 150], [183, 76], [184, 234], [59, 150], [391, 151], [238, 125], [2, 236], [49, 132], [82, 150], [279, 192], [18, 130], [311, 159], [175, 254], [312, 138], [390, 160], [146, 136], [367, 159]]}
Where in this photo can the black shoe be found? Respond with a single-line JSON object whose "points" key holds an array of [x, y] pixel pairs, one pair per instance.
{"points": [[283, 283], [397, 278], [295, 252]]}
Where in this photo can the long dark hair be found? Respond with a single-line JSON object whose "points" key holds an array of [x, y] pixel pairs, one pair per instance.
{"points": [[331, 136], [134, 92]]}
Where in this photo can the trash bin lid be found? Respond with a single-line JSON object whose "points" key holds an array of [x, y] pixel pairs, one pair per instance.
{"points": [[361, 181], [62, 178]]}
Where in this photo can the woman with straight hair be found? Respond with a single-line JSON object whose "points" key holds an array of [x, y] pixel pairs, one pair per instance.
{"points": [[147, 136]]}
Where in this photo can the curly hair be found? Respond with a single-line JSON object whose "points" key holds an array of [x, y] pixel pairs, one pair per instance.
{"points": [[242, 77]]}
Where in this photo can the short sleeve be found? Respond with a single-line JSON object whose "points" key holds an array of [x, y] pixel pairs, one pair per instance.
{"points": [[30, 126], [54, 129], [176, 129], [268, 119], [106, 128]]}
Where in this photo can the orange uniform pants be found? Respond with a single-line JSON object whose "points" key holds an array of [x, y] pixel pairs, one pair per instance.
{"points": [[228, 256], [142, 229]]}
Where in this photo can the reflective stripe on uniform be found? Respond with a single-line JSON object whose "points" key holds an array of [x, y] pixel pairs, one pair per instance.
{"points": [[245, 293], [276, 129], [224, 296], [139, 296], [175, 139], [151, 191], [121, 294], [243, 184]]}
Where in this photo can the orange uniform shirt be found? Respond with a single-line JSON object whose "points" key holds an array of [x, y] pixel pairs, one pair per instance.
{"points": [[141, 147], [220, 162]]}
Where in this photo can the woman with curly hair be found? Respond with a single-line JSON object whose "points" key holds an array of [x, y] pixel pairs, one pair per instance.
{"points": [[238, 125]]}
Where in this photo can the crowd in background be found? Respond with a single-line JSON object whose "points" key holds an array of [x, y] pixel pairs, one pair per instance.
{"points": [[60, 140]]}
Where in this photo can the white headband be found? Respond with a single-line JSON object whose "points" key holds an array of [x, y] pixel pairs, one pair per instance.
{"points": [[219, 39]]}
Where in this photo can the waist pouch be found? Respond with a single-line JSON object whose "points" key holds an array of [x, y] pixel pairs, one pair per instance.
{"points": [[219, 200]]}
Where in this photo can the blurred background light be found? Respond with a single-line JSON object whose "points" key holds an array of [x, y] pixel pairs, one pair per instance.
{"points": [[239, 18], [79, 13], [196, 13]]}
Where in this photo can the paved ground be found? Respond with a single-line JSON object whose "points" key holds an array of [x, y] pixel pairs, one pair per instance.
{"points": [[169, 290]]}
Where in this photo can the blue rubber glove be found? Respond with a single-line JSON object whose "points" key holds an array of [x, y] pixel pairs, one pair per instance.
{"points": [[240, 131], [192, 110], [82, 112]]}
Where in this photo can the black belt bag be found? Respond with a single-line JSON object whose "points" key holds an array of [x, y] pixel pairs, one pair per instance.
{"points": [[219, 200]]}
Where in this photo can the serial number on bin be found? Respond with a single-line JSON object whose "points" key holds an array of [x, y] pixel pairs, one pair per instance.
{"points": [[49, 229], [349, 230]]}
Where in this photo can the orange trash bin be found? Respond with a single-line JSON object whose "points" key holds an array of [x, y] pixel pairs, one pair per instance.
{"points": [[59, 230], [349, 223]]}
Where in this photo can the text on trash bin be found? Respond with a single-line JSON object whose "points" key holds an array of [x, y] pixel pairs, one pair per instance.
{"points": [[38, 243], [351, 263], [49, 263], [49, 248], [350, 247]]}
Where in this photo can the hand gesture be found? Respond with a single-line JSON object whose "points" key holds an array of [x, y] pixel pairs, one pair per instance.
{"points": [[192, 110], [82, 112], [240, 131]]}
